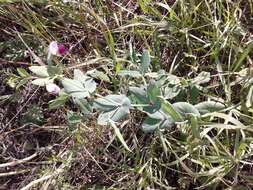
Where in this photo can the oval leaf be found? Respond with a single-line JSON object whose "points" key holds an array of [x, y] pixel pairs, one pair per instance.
{"points": [[209, 106], [40, 71], [202, 78], [185, 108], [41, 81], [150, 125]]}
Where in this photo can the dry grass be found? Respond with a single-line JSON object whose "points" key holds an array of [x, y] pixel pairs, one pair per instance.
{"points": [[41, 148]]}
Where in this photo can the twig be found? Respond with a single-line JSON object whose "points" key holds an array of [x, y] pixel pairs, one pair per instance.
{"points": [[94, 160], [13, 173], [72, 47], [35, 57], [53, 128], [31, 184], [58, 171], [22, 108], [6, 62], [16, 162], [88, 63]]}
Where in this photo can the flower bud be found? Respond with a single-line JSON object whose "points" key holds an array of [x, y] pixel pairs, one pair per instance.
{"points": [[53, 88]]}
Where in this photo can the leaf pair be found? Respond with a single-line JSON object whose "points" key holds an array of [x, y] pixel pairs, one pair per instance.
{"points": [[169, 114], [113, 107], [147, 97], [45, 74], [79, 87]]}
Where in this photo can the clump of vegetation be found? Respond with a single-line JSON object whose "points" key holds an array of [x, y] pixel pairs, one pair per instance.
{"points": [[126, 95]]}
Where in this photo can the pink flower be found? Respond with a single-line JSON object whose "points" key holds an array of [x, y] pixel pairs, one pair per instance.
{"points": [[61, 49], [53, 88], [56, 49]]}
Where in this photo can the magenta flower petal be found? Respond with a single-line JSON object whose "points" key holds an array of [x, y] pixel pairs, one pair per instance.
{"points": [[61, 49]]}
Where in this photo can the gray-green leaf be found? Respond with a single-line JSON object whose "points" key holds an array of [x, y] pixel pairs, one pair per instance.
{"points": [[113, 107], [158, 119], [145, 61], [209, 106], [150, 124], [202, 78], [171, 92], [41, 81], [139, 95], [40, 71], [185, 108], [58, 102], [169, 109], [79, 87], [99, 75], [75, 88], [89, 84]]}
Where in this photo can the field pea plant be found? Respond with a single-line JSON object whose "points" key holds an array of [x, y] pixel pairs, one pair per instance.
{"points": [[149, 94], [158, 97]]}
